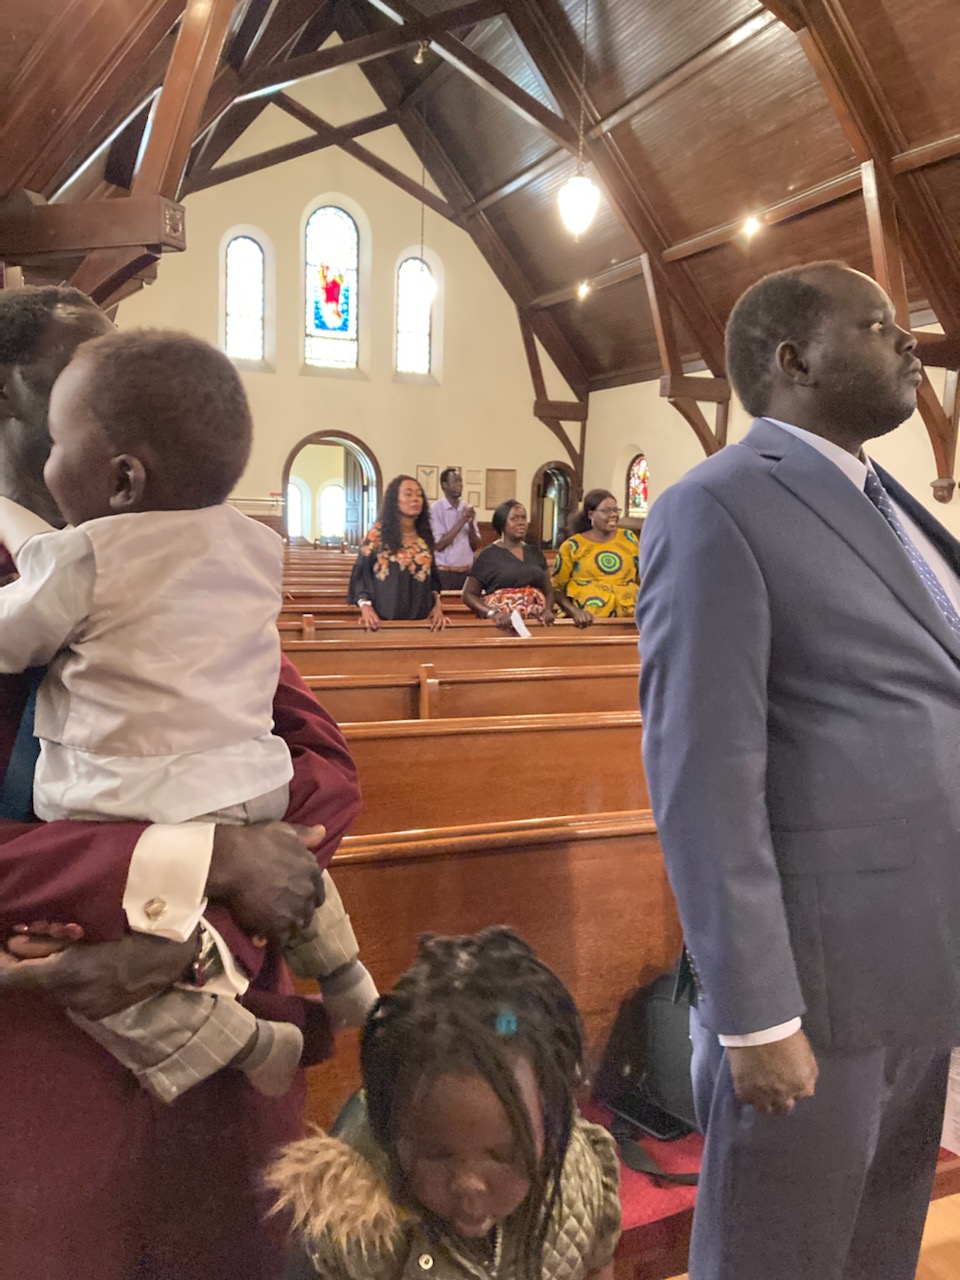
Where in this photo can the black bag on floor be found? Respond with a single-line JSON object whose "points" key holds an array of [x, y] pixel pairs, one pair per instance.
{"points": [[644, 1078]]}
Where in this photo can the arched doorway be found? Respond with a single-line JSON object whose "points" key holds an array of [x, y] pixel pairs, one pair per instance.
{"points": [[331, 485], [552, 496]]}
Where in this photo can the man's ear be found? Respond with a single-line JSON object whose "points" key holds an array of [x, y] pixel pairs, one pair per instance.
{"points": [[792, 364], [129, 483]]}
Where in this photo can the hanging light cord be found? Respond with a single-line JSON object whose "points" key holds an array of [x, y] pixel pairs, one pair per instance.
{"points": [[583, 84], [423, 176]]}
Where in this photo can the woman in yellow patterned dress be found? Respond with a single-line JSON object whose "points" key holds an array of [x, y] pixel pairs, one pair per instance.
{"points": [[598, 567]]}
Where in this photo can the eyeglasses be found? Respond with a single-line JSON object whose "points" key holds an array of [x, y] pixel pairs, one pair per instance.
{"points": [[607, 511]]}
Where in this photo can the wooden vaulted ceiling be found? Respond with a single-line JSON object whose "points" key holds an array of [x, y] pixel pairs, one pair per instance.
{"points": [[835, 122]]}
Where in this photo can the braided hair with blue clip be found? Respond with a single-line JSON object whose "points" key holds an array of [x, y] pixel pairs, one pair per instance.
{"points": [[478, 1004]]}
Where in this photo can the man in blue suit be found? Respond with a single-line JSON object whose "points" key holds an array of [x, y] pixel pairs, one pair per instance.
{"points": [[800, 684]]}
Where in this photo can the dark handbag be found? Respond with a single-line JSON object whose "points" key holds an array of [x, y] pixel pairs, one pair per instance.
{"points": [[644, 1078]]}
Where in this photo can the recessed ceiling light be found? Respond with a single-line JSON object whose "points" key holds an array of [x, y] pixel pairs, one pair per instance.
{"points": [[752, 225], [583, 288]]}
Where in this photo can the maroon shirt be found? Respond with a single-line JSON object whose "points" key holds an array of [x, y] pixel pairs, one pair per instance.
{"points": [[98, 1181]]}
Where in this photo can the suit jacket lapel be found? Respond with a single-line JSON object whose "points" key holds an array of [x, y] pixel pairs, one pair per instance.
{"points": [[823, 487]]}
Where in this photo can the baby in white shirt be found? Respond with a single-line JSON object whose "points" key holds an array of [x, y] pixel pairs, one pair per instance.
{"points": [[156, 612]]}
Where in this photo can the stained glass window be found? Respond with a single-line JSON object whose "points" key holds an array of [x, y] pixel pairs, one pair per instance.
{"points": [[416, 290], [332, 266], [638, 487], [243, 296]]}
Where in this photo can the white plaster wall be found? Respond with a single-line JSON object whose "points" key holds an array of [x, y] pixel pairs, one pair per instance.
{"points": [[478, 416], [630, 420]]}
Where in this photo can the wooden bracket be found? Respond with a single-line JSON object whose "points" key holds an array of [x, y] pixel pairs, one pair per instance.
{"points": [[681, 391], [885, 245], [552, 413]]}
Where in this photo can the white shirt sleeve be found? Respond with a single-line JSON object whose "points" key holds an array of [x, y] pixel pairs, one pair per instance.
{"points": [[43, 610], [167, 879], [779, 1032]]}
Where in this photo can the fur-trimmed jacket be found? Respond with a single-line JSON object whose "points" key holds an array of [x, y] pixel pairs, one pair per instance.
{"points": [[347, 1227]]}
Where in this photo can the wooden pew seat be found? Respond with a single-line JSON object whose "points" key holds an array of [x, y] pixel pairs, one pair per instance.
{"points": [[404, 647], [431, 773], [515, 691], [590, 894]]}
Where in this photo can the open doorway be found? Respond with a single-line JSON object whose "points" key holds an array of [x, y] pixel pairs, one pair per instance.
{"points": [[551, 499], [331, 488]]}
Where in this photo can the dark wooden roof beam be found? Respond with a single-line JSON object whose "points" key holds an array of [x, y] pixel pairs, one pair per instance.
{"points": [[388, 85], [544, 28], [552, 160], [824, 193], [65, 230], [173, 124], [376, 44], [288, 151], [785, 11], [293, 27], [342, 139], [488, 77], [852, 88], [929, 153]]}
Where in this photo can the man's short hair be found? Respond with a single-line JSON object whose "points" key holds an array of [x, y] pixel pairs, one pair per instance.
{"points": [[25, 314], [178, 395], [446, 473], [786, 306]]}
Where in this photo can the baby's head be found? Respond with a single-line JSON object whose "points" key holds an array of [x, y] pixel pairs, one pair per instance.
{"points": [[470, 1066], [146, 420]]}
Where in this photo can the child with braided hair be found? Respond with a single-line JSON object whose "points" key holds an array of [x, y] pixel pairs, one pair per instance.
{"points": [[469, 1160]]}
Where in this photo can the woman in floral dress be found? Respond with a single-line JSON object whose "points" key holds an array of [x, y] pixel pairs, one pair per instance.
{"points": [[395, 575]]}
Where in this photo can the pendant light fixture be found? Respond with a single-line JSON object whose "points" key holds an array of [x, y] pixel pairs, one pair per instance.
{"points": [[579, 197]]}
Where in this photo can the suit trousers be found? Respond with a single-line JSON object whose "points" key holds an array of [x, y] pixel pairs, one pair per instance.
{"points": [[838, 1189]]}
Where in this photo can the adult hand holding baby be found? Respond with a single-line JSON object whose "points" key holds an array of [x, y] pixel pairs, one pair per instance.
{"points": [[266, 876]]}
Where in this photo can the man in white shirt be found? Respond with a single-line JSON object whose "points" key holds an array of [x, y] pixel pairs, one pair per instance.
{"points": [[800, 642], [456, 535]]}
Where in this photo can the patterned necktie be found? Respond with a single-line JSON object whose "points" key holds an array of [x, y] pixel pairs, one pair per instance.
{"points": [[881, 500]]}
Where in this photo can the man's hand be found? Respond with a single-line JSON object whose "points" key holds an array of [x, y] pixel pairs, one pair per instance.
{"points": [[266, 876], [100, 978], [467, 515], [772, 1077]]}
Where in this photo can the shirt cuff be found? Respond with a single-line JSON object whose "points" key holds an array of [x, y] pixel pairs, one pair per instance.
{"points": [[167, 879], [779, 1032]]}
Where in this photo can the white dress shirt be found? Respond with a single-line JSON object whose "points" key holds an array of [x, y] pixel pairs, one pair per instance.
{"points": [[160, 631], [855, 469]]}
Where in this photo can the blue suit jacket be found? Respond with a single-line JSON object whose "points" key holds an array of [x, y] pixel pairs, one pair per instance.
{"points": [[801, 702]]}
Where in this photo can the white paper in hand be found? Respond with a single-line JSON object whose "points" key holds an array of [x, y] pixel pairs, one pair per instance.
{"points": [[519, 626]]}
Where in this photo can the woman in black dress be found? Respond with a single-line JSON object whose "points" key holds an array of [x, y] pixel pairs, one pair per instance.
{"points": [[395, 575], [510, 573]]}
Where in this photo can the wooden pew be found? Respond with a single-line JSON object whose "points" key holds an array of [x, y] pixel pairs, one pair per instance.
{"points": [[590, 894], [432, 694], [401, 647], [430, 773]]}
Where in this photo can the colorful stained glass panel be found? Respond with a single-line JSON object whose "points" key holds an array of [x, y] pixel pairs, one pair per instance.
{"points": [[638, 488], [332, 270]]}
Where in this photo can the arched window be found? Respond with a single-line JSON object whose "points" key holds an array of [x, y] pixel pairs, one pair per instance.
{"points": [[332, 268], [244, 299], [416, 290], [332, 511], [638, 487], [299, 499]]}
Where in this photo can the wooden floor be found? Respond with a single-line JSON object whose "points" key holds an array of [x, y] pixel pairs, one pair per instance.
{"points": [[940, 1255]]}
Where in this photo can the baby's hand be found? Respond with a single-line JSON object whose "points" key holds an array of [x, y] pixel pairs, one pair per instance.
{"points": [[42, 938]]}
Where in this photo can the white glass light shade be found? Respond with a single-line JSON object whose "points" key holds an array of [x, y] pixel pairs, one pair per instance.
{"points": [[579, 199], [426, 286]]}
